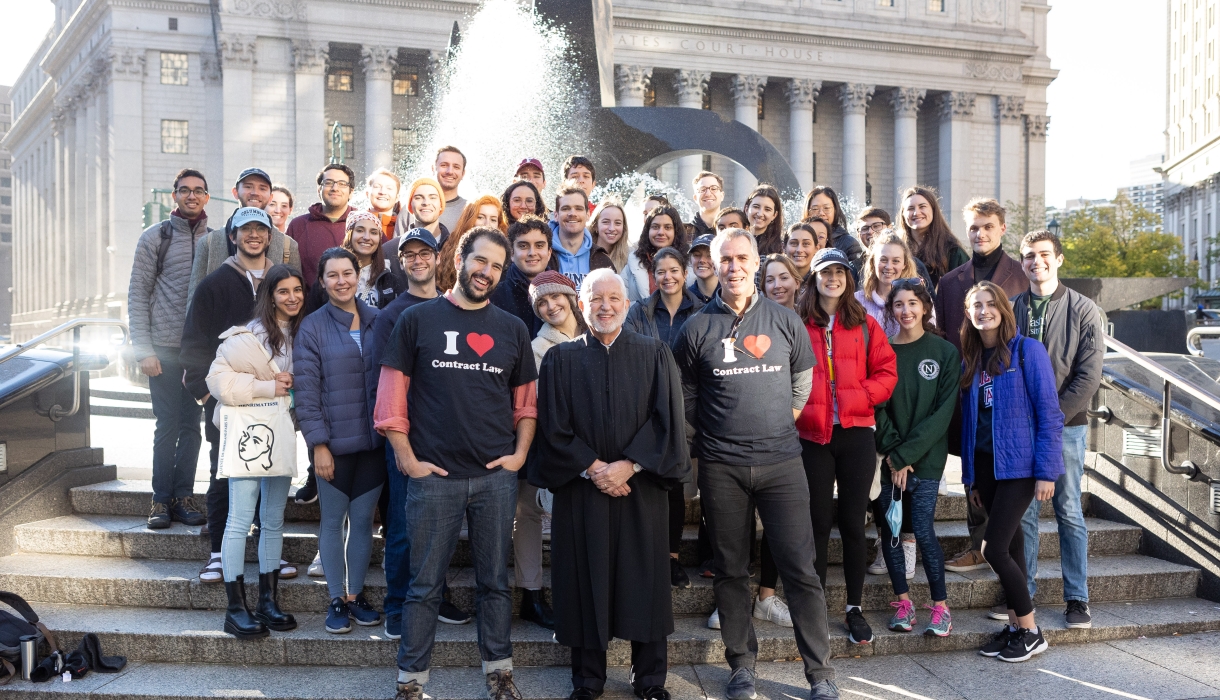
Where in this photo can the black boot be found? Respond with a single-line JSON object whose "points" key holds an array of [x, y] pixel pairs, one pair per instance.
{"points": [[238, 620], [268, 611], [535, 609]]}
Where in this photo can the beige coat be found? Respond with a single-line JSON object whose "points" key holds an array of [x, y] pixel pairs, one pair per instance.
{"points": [[548, 337], [241, 372]]}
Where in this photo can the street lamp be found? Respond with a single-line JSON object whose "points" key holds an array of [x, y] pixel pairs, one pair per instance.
{"points": [[1053, 226]]}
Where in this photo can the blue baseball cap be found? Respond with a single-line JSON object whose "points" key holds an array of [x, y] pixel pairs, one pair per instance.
{"points": [[826, 257], [252, 172], [245, 215], [422, 235], [704, 240]]}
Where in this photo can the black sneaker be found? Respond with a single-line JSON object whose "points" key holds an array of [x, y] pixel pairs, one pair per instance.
{"points": [[654, 692], [1078, 616], [858, 631], [1024, 646], [186, 512], [307, 493], [999, 642], [584, 694], [677, 576], [451, 614], [158, 517], [741, 685]]}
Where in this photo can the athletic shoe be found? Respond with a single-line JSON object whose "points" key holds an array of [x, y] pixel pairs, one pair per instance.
{"points": [[158, 517], [307, 493], [315, 567], [878, 566], [904, 616], [824, 690], [969, 560], [1078, 616], [364, 614], [409, 691], [287, 570], [741, 685], [941, 624], [1024, 645], [338, 617], [677, 576], [706, 570], [858, 631], [713, 621], [393, 626], [186, 512], [654, 692], [999, 611], [774, 610], [500, 686], [584, 694], [451, 614], [908, 553], [999, 642]]}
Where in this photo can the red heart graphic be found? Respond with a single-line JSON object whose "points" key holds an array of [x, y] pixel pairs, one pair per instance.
{"points": [[482, 343], [757, 345]]}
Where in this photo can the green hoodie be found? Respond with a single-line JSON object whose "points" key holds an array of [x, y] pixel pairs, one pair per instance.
{"points": [[913, 426]]}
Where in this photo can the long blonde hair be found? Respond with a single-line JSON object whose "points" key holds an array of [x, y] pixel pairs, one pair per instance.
{"points": [[622, 248], [871, 281]]}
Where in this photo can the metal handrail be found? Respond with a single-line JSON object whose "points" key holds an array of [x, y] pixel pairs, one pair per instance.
{"points": [[1196, 334], [1170, 380], [56, 412]]}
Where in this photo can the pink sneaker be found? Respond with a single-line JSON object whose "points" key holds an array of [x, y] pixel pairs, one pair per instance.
{"points": [[941, 624], [904, 616]]}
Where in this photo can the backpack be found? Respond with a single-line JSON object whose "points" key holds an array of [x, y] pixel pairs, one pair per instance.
{"points": [[13, 628], [167, 235]]}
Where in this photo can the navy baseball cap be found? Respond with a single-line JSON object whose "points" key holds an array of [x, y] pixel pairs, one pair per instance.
{"points": [[704, 240], [826, 257], [252, 172], [422, 235], [245, 215]]}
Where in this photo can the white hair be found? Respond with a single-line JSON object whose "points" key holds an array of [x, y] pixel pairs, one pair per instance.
{"points": [[729, 234], [596, 277]]}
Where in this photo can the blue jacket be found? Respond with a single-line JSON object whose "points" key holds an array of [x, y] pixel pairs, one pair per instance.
{"points": [[1026, 423], [574, 265], [334, 380]]}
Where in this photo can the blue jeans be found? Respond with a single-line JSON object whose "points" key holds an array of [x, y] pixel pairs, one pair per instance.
{"points": [[920, 499], [243, 495], [176, 438], [1073, 536], [397, 573], [435, 509]]}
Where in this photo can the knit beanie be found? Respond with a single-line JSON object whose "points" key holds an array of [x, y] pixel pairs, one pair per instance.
{"points": [[425, 181], [361, 215], [551, 282]]}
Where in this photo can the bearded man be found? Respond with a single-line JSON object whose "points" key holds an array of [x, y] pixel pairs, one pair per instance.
{"points": [[612, 443]]}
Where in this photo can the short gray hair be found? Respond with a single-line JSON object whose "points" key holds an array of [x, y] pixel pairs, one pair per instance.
{"points": [[599, 275], [729, 234]]}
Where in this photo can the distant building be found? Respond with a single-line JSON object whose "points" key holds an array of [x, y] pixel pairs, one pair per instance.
{"points": [[6, 219], [1146, 187]]}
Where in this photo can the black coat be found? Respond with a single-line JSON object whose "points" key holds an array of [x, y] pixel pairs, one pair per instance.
{"points": [[512, 294], [225, 298], [610, 556]]}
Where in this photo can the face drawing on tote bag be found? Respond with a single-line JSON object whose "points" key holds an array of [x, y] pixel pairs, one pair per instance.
{"points": [[254, 446]]}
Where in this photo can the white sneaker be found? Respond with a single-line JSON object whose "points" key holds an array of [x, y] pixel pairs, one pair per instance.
{"points": [[908, 552], [774, 610], [878, 565], [315, 568], [713, 622]]}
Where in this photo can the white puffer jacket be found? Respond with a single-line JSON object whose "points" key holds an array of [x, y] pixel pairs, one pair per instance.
{"points": [[241, 372]]}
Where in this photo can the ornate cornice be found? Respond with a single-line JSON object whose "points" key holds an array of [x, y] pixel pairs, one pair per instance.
{"points": [[802, 93], [906, 101], [123, 61], [209, 68], [1010, 107], [268, 9], [1006, 72], [854, 97], [1036, 126], [747, 89], [689, 84], [953, 105], [310, 56], [378, 62], [237, 51], [631, 81]]}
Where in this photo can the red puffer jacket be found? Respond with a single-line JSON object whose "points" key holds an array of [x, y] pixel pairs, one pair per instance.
{"points": [[863, 379]]}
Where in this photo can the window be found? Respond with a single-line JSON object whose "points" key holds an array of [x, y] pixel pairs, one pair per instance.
{"points": [[6, 200], [707, 163], [6, 237], [348, 133], [339, 80], [762, 109], [6, 182], [174, 137], [406, 83], [404, 142], [650, 95], [173, 68], [707, 99], [936, 5], [885, 3], [173, 24], [6, 218]]}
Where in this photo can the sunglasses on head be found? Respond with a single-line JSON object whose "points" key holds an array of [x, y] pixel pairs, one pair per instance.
{"points": [[908, 282]]}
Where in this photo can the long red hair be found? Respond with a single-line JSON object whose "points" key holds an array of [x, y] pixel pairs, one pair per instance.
{"points": [[446, 272]]}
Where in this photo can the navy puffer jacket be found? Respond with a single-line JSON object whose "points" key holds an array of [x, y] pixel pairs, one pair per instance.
{"points": [[334, 379]]}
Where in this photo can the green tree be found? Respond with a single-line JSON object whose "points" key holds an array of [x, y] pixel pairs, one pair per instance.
{"points": [[1021, 220]]}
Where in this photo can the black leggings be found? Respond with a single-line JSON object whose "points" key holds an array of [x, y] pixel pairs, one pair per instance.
{"points": [[1004, 544], [850, 459]]}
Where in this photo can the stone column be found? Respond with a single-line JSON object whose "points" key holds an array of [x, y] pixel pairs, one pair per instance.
{"points": [[1009, 108], [689, 86], [630, 84], [747, 91], [1035, 159], [378, 62], [309, 65], [905, 102], [802, 94], [956, 110], [854, 98], [237, 65], [126, 71]]}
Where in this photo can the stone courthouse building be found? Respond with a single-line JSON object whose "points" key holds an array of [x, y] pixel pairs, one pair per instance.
{"points": [[868, 96]]}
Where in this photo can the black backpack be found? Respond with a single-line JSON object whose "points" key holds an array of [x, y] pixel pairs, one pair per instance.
{"points": [[13, 628]]}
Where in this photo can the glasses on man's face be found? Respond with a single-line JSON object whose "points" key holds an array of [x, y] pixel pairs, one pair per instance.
{"points": [[714, 189], [424, 255], [336, 184], [875, 227], [187, 192]]}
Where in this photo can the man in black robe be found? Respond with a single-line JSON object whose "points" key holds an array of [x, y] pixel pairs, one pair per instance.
{"points": [[611, 443]]}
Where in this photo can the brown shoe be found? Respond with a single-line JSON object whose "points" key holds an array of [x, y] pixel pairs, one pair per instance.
{"points": [[500, 686], [969, 560]]}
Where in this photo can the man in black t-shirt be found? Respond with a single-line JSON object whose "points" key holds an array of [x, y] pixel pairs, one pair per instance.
{"points": [[747, 370], [457, 401]]}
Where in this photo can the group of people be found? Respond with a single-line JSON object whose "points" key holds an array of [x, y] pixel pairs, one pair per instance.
{"points": [[496, 363]]}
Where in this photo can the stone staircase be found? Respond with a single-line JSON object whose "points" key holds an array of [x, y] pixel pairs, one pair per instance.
{"points": [[101, 570]]}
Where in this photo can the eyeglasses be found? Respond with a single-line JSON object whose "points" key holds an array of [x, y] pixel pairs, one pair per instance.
{"points": [[424, 255], [714, 189], [336, 184], [822, 211], [875, 227], [186, 192], [908, 282]]}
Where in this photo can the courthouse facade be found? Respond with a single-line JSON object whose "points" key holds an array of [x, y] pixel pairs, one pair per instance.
{"points": [[868, 96]]}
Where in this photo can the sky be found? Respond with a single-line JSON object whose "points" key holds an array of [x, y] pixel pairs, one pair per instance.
{"points": [[1107, 106]]}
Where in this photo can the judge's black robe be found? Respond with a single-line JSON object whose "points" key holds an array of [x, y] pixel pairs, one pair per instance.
{"points": [[610, 555]]}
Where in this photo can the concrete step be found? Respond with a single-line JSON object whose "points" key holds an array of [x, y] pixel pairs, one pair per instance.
{"points": [[100, 580], [119, 408], [118, 388], [192, 636]]}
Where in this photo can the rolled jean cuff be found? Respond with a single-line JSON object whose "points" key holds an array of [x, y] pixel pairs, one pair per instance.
{"points": [[826, 674], [420, 677], [497, 665]]}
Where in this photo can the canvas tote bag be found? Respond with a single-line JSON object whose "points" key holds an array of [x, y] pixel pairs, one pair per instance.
{"points": [[258, 439]]}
